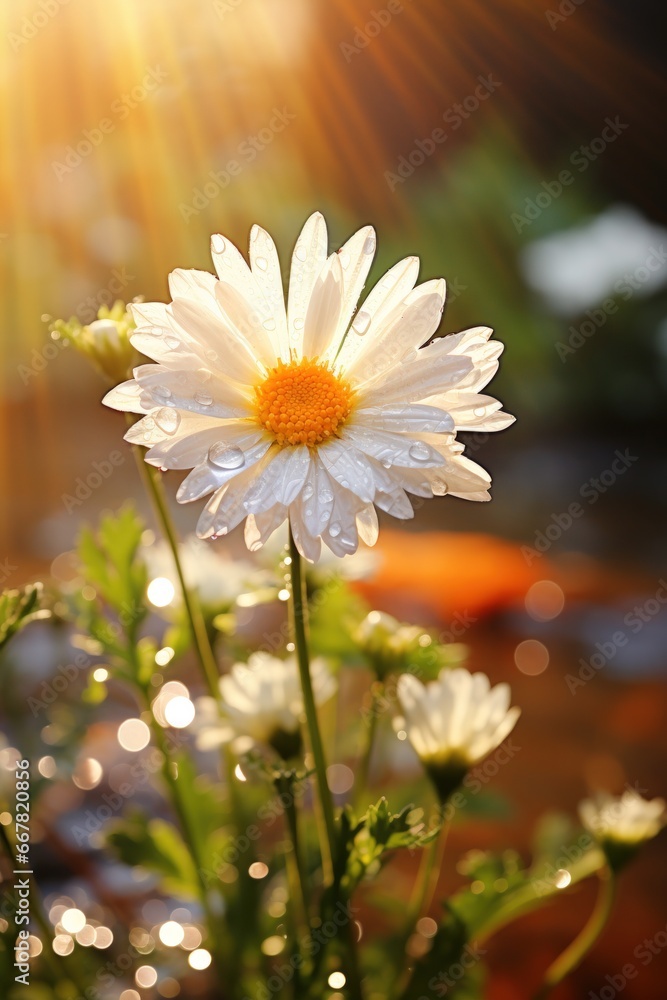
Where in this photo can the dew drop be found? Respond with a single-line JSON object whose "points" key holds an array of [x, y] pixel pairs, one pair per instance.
{"points": [[225, 457], [269, 324], [212, 356], [203, 398], [324, 516], [161, 392], [307, 491], [261, 263], [309, 511], [217, 244], [325, 496], [386, 462], [214, 538], [147, 424], [301, 253], [334, 529], [361, 322], [298, 324], [479, 411], [173, 343], [369, 244], [167, 420], [419, 451]]}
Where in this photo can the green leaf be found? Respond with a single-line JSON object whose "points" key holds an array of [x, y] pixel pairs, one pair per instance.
{"points": [[366, 843], [18, 608], [157, 846]]}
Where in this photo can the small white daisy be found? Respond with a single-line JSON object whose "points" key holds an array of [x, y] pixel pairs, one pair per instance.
{"points": [[262, 700], [454, 721], [628, 819], [313, 412]]}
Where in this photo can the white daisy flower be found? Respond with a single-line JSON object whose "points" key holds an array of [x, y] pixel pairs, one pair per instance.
{"points": [[629, 819], [313, 412], [218, 580], [455, 721], [262, 699]]}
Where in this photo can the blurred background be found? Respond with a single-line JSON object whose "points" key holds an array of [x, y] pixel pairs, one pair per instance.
{"points": [[517, 148]]}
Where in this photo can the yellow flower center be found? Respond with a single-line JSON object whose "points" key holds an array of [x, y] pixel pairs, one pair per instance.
{"points": [[303, 402]]}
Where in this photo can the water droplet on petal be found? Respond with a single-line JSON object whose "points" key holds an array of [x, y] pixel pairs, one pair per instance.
{"points": [[307, 491], [168, 420], [225, 457], [261, 263], [217, 244], [161, 392], [301, 253], [173, 343], [334, 529], [214, 538], [386, 462], [419, 451], [369, 244], [361, 322], [325, 496], [269, 324], [203, 398], [212, 356], [324, 516], [479, 411], [298, 324]]}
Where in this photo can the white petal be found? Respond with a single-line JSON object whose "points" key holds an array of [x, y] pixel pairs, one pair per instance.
{"points": [[206, 477], [410, 418], [382, 299], [308, 259], [324, 309], [281, 480], [254, 321], [308, 545], [349, 468], [217, 337], [356, 257], [367, 525], [259, 527], [128, 397], [406, 328], [392, 449], [197, 391], [417, 380], [193, 284], [266, 269]]}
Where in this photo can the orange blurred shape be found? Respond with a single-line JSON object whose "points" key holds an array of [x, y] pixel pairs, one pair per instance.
{"points": [[441, 574]]}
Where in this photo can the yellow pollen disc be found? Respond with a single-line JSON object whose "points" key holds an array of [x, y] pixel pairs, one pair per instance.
{"points": [[303, 402]]}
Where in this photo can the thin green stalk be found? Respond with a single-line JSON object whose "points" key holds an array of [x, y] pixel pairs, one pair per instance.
{"points": [[575, 952], [202, 646], [299, 610], [363, 771], [188, 836], [424, 889]]}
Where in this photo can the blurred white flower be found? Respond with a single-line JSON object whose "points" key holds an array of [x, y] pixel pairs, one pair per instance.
{"points": [[454, 721], [628, 819], [217, 579], [262, 700]]}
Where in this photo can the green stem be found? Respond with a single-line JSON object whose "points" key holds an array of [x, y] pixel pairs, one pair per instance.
{"points": [[298, 897], [424, 889], [153, 483], [575, 953], [361, 782], [299, 610], [188, 836]]}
